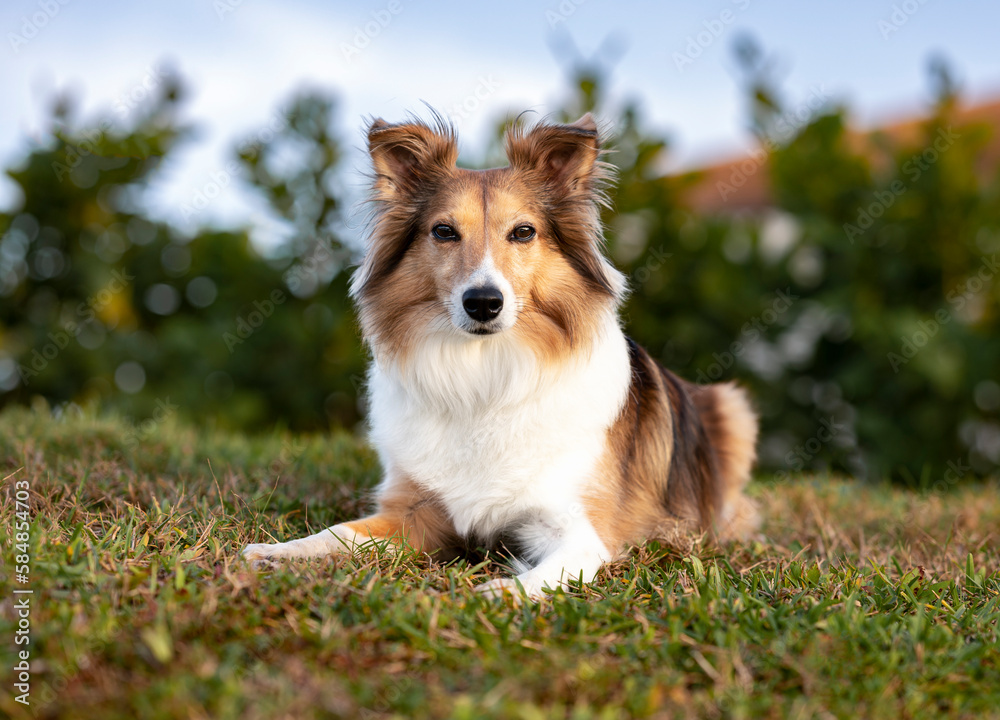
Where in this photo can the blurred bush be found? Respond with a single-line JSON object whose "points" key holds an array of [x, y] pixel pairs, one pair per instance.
{"points": [[870, 350], [861, 307], [100, 304]]}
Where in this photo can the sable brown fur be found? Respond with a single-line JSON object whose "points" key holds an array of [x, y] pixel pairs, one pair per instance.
{"points": [[409, 513], [673, 460], [554, 178], [678, 454], [672, 457], [564, 161], [507, 406]]}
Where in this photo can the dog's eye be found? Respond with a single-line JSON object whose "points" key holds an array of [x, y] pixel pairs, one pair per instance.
{"points": [[523, 233], [444, 232]]}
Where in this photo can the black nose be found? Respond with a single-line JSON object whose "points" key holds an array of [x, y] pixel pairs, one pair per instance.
{"points": [[483, 304]]}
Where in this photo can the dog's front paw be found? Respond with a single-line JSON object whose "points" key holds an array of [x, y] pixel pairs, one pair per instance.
{"points": [[261, 556], [514, 588], [500, 588]]}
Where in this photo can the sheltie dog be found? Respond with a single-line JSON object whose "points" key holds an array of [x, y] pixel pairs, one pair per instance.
{"points": [[508, 408]]}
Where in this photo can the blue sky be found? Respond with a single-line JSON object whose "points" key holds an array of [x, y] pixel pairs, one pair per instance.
{"points": [[242, 58]]}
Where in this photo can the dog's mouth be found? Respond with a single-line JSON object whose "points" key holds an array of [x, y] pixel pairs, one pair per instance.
{"points": [[490, 329], [469, 327]]}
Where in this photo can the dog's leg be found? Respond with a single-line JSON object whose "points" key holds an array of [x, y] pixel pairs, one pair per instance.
{"points": [[339, 539], [567, 553], [406, 513]]}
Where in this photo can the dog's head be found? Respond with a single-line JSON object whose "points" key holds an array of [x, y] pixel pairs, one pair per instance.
{"points": [[512, 253]]}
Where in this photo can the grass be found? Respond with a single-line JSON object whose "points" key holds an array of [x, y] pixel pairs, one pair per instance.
{"points": [[857, 601]]}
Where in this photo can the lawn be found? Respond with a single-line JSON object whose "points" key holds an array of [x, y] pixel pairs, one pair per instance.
{"points": [[856, 600]]}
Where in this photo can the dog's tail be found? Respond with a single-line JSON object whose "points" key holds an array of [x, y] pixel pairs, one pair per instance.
{"points": [[731, 425]]}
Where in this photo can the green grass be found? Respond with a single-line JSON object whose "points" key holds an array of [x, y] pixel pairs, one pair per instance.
{"points": [[856, 601]]}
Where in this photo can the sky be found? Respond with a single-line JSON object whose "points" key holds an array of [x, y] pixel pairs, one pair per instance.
{"points": [[475, 61]]}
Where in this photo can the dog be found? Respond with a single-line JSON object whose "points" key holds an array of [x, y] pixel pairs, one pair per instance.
{"points": [[507, 406]]}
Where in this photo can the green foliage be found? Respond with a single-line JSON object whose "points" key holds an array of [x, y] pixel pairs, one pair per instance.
{"points": [[853, 309], [917, 287], [93, 290], [863, 311]]}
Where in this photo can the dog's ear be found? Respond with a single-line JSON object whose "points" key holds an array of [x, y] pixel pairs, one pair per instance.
{"points": [[564, 157], [565, 161], [406, 155]]}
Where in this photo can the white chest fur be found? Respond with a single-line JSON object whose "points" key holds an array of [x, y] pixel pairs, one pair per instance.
{"points": [[496, 434]]}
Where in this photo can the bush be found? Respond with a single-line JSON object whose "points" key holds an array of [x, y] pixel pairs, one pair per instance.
{"points": [[862, 310]]}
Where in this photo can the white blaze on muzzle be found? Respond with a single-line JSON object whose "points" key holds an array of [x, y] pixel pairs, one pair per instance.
{"points": [[484, 303]]}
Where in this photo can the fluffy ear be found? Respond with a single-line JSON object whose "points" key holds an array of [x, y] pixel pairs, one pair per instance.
{"points": [[408, 154], [565, 157], [565, 160]]}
